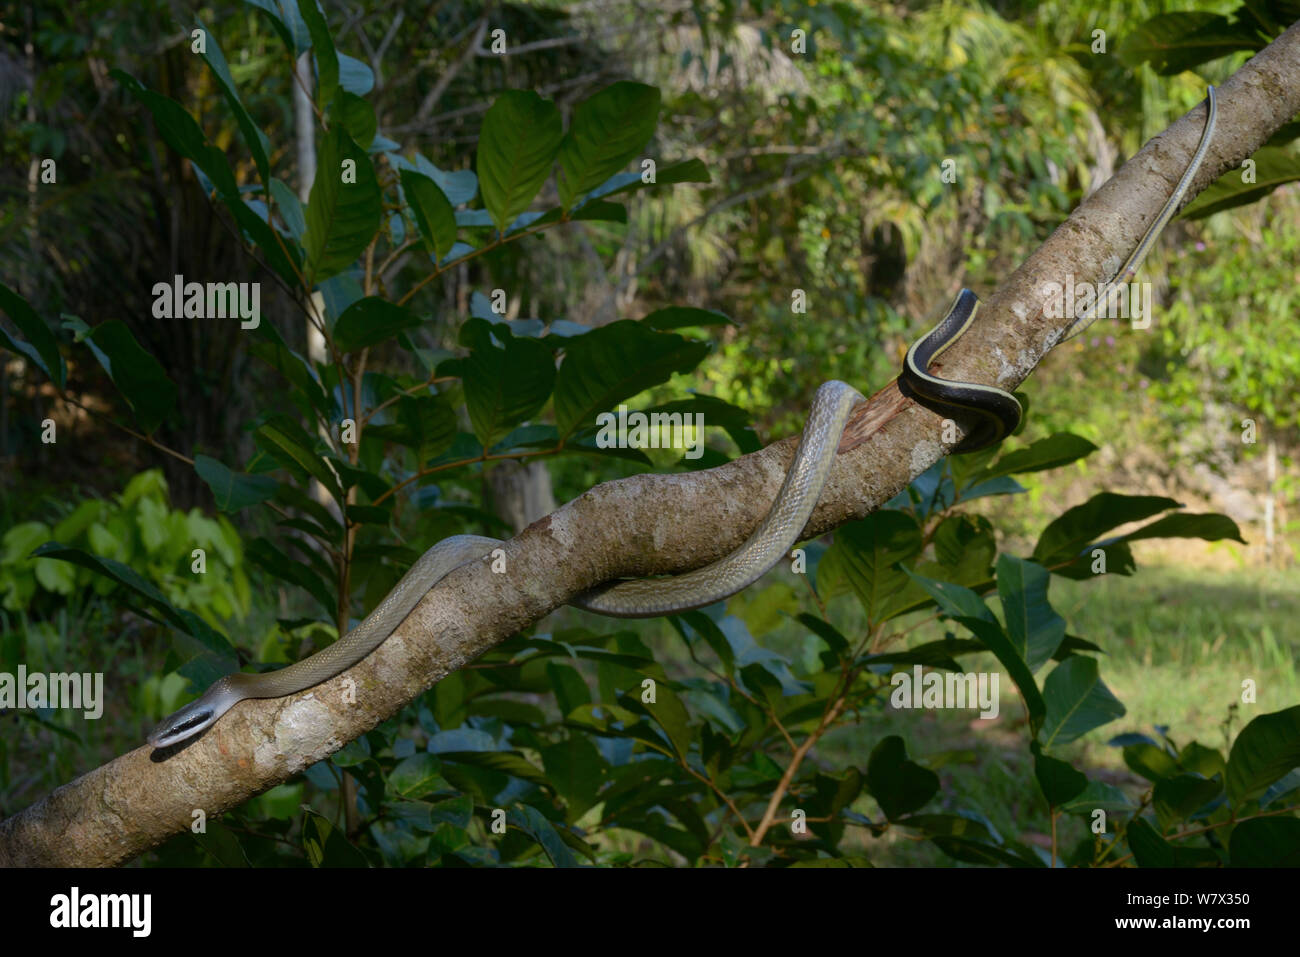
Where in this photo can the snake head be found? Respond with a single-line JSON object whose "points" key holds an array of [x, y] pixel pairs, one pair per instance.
{"points": [[182, 724]]}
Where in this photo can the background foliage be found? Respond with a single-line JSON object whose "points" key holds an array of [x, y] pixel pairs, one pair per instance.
{"points": [[765, 734]]}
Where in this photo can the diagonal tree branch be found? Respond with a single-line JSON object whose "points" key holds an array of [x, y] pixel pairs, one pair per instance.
{"points": [[647, 524]]}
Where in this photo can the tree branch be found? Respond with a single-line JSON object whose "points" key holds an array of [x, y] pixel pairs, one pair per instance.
{"points": [[643, 525]]}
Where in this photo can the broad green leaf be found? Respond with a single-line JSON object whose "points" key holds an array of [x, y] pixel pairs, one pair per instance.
{"points": [[287, 22], [357, 116], [609, 129], [1056, 450], [1077, 701], [954, 601], [1274, 166], [257, 142], [271, 559], [1211, 527], [865, 556], [1179, 797], [1265, 842], [290, 209], [1099, 796], [369, 321], [180, 619], [41, 347], [1153, 763], [504, 385], [138, 375], [1266, 749], [516, 148], [687, 171], [576, 770], [342, 218], [1174, 42], [233, 490], [426, 424], [1032, 624], [416, 776], [433, 212], [1063, 538], [898, 785], [1060, 781], [354, 76], [613, 363], [322, 45], [291, 450], [995, 640]]}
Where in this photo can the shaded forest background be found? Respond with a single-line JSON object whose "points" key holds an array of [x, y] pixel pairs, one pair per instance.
{"points": [[823, 163]]}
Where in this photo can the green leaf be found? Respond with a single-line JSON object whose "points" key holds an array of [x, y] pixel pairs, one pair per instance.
{"points": [[1265, 842], [613, 363], [433, 212], [576, 770], [416, 776], [257, 142], [1056, 450], [1032, 624], [955, 601], [289, 450], [274, 561], [1274, 166], [138, 375], [357, 116], [369, 321], [865, 556], [1266, 749], [354, 76], [426, 424], [898, 785], [1065, 537], [1099, 796], [995, 640], [342, 217], [233, 490], [1179, 797], [180, 619], [1211, 527], [1077, 701], [533, 823], [609, 129], [516, 148], [290, 209], [1059, 780], [41, 347], [182, 133], [504, 385], [322, 44], [287, 22], [1151, 762], [686, 171], [1174, 42]]}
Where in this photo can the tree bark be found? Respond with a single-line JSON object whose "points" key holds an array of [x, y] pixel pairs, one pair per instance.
{"points": [[643, 525]]}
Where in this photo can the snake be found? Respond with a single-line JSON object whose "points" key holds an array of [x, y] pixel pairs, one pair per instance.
{"points": [[997, 413]]}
